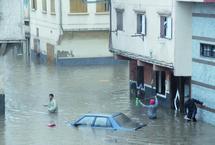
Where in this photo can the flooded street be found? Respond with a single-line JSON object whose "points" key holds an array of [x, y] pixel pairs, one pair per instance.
{"points": [[79, 90]]}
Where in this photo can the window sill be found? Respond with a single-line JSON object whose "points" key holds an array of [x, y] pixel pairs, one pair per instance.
{"points": [[102, 13], [52, 13], [44, 12], [120, 30], [33, 10], [138, 35], [164, 38], [78, 14]]}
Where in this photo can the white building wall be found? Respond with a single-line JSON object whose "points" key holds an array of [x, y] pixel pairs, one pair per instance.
{"points": [[153, 47], [183, 39], [161, 49], [47, 24], [11, 20], [176, 51]]}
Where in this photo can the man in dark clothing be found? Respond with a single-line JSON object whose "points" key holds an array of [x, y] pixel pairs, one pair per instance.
{"points": [[191, 109]]}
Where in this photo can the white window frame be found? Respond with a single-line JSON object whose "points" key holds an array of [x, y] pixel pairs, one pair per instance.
{"points": [[121, 21], [143, 24]]}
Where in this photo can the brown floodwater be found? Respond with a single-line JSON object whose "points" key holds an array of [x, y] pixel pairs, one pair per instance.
{"points": [[78, 90]]}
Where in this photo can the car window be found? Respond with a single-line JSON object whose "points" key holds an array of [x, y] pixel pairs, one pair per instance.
{"points": [[88, 120], [102, 122], [124, 121]]}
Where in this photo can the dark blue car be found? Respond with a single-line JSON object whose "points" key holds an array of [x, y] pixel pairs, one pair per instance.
{"points": [[117, 121]]}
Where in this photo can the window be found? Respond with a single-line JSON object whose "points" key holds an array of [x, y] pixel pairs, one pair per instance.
{"points": [[34, 4], [27, 23], [37, 32], [36, 45], [207, 50], [140, 76], [44, 5], [77, 6], [52, 6], [119, 19], [166, 27], [86, 120], [160, 82], [141, 24], [102, 122], [102, 7]]}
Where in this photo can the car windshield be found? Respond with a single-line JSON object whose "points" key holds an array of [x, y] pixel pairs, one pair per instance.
{"points": [[124, 121]]}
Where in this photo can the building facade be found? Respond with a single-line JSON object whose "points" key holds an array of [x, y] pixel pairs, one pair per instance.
{"points": [[70, 31], [151, 36], [171, 50], [26, 14], [203, 61], [11, 24]]}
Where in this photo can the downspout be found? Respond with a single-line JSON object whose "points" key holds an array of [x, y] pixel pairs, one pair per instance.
{"points": [[110, 30], [60, 22]]}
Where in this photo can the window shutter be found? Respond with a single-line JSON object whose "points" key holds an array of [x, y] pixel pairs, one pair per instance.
{"points": [[169, 28], [77, 6], [143, 24], [101, 7]]}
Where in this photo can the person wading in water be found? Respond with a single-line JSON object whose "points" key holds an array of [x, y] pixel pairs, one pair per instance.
{"points": [[152, 108]]}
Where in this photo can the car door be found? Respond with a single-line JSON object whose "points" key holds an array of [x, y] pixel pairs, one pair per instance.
{"points": [[102, 122]]}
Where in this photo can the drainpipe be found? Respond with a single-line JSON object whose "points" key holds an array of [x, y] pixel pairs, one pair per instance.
{"points": [[110, 31], [60, 26], [60, 21]]}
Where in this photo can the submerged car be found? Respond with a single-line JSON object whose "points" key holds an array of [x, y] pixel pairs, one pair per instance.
{"points": [[116, 121]]}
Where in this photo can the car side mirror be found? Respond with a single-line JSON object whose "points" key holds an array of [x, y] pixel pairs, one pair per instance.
{"points": [[77, 124]]}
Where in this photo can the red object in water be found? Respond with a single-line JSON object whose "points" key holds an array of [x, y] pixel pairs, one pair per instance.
{"points": [[51, 125]]}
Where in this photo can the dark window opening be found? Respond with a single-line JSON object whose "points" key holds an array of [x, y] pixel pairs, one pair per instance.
{"points": [[160, 82], [119, 17], [207, 50], [140, 75]]}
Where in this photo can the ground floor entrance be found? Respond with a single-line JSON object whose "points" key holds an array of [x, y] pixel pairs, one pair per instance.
{"points": [[148, 80]]}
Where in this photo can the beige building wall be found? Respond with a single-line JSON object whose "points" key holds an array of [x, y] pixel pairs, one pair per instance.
{"points": [[62, 27]]}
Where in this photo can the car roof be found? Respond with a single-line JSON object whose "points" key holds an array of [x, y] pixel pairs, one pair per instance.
{"points": [[103, 114]]}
